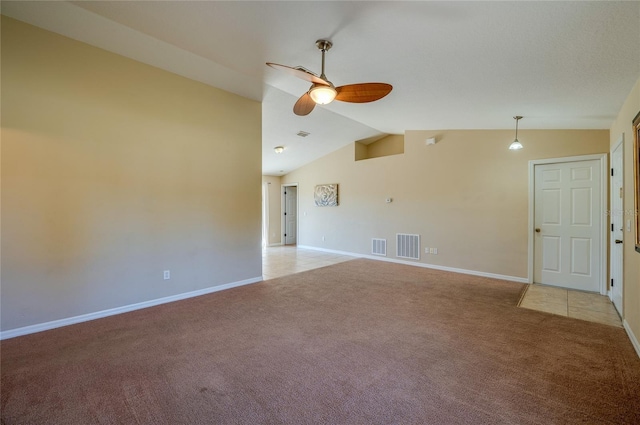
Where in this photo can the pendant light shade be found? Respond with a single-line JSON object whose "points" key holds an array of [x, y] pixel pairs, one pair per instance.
{"points": [[515, 145], [322, 94]]}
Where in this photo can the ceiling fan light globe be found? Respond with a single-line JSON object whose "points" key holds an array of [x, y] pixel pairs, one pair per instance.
{"points": [[515, 145], [322, 94]]}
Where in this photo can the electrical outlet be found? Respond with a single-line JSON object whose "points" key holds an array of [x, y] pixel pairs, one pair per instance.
{"points": [[167, 274], [426, 250], [323, 239], [435, 251]]}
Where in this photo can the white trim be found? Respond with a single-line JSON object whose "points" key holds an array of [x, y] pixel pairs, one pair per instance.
{"points": [[423, 265], [597, 156], [531, 223], [619, 144], [604, 246], [632, 337], [12, 333], [334, 251], [276, 244], [604, 198]]}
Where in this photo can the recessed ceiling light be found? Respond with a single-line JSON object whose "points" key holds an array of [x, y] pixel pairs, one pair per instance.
{"points": [[278, 149]]}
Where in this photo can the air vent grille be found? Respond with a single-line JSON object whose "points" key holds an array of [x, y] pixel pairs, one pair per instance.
{"points": [[303, 133], [408, 246], [379, 247]]}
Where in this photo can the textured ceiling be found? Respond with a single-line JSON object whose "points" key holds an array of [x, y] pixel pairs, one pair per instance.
{"points": [[453, 65]]}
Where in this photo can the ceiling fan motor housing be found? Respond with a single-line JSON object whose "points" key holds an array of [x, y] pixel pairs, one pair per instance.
{"points": [[324, 44]]}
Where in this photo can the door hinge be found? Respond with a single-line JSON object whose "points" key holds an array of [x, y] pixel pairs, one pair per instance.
{"points": [[612, 171], [285, 213], [612, 283], [285, 235], [612, 227], [285, 192]]}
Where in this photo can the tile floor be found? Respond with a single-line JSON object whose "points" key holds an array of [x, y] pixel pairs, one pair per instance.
{"points": [[284, 260], [287, 259], [577, 304]]}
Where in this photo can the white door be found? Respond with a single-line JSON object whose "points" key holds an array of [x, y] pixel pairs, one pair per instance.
{"points": [[617, 224], [290, 217], [567, 214]]}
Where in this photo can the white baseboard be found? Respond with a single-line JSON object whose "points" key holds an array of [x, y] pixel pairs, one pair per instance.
{"points": [[424, 265], [26, 330], [632, 337], [333, 251]]}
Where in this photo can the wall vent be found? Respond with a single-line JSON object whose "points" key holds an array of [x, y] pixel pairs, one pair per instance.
{"points": [[379, 246], [303, 133], [408, 246]]}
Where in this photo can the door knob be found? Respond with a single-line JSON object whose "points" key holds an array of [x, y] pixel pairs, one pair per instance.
{"points": [[537, 230], [618, 241]]}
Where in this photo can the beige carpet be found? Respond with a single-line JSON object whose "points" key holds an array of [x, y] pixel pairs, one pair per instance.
{"points": [[361, 342]]}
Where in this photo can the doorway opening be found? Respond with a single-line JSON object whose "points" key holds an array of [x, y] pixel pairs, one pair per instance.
{"points": [[290, 214]]}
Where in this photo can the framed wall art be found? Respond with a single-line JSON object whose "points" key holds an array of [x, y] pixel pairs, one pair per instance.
{"points": [[326, 195]]}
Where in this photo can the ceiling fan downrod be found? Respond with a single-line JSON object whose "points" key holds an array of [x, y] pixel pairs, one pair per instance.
{"points": [[323, 45]]}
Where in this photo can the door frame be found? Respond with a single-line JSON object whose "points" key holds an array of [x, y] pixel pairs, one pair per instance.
{"points": [[618, 145], [283, 224], [604, 197]]}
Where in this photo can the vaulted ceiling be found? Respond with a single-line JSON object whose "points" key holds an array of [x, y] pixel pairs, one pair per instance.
{"points": [[453, 65]]}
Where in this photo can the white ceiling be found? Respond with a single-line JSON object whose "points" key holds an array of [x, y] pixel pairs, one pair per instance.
{"points": [[453, 65]]}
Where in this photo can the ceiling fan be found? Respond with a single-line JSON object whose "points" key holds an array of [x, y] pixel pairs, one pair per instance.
{"points": [[322, 91]]}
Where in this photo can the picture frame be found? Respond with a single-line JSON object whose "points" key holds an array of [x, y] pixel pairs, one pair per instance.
{"points": [[636, 177], [326, 195]]}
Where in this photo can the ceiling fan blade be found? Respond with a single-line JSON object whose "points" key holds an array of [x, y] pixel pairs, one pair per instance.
{"points": [[304, 105], [300, 73], [363, 92]]}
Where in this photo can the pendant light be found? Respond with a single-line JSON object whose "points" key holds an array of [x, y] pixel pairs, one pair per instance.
{"points": [[515, 145]]}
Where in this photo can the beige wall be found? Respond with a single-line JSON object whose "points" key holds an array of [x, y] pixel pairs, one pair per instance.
{"points": [[275, 208], [622, 126], [113, 171], [467, 195]]}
